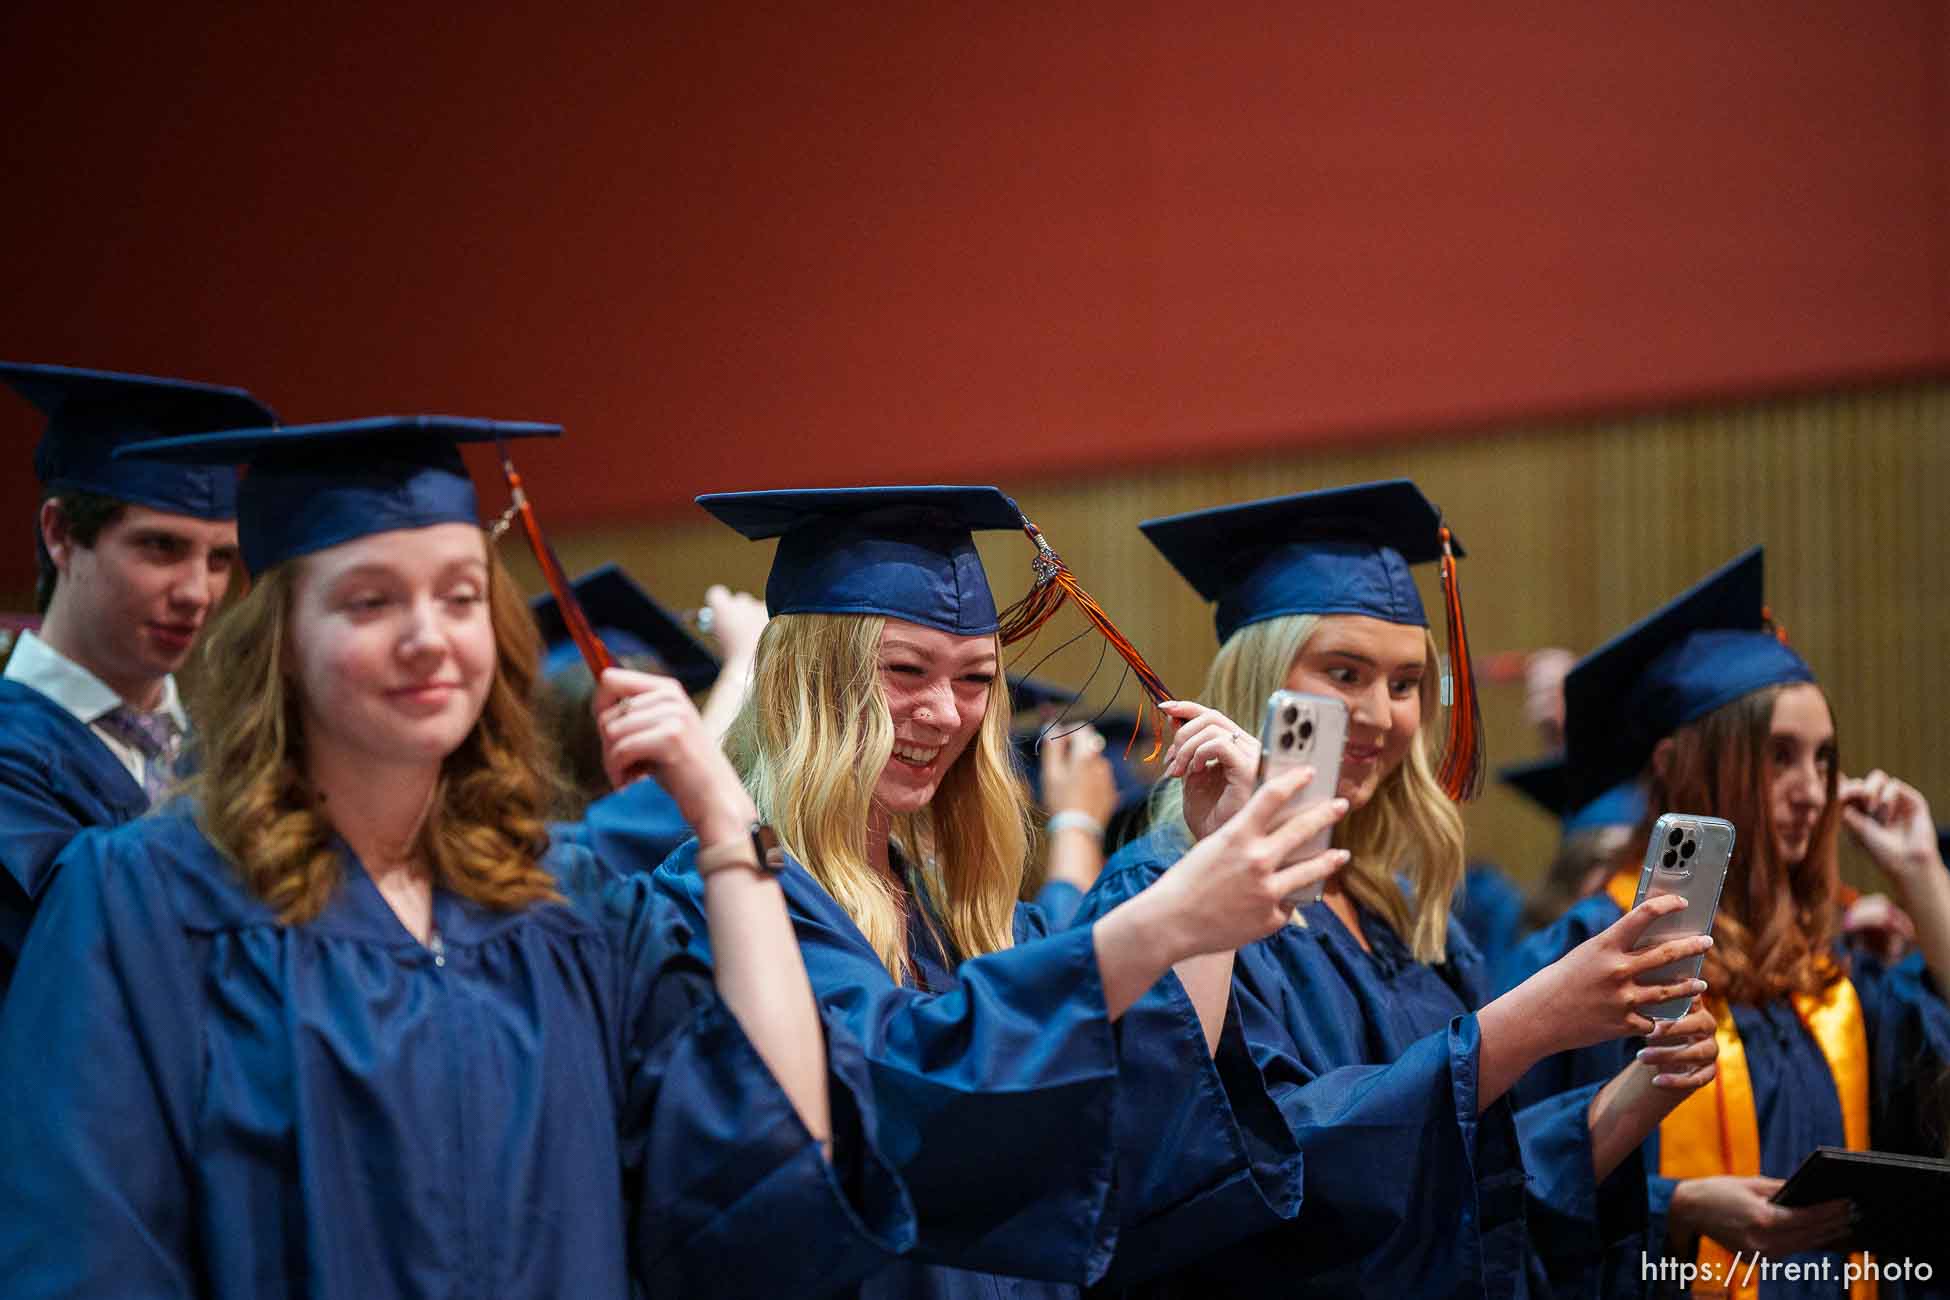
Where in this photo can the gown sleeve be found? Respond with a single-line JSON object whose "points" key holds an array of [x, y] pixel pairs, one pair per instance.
{"points": [[1407, 1191], [715, 1157], [49, 791], [1058, 901], [1908, 1029], [1204, 1154], [101, 1044], [1587, 1065], [634, 828], [1593, 1235], [993, 1099]]}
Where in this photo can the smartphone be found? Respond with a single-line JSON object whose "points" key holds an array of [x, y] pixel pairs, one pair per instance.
{"points": [[1303, 730], [1686, 855]]}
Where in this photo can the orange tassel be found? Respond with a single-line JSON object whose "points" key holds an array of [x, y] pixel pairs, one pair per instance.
{"points": [[581, 631], [1460, 771], [1056, 585]]}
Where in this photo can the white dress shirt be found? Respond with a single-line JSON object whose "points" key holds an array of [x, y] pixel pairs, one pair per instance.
{"points": [[37, 664]]}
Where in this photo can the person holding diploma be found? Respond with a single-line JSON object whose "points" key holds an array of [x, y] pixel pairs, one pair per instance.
{"points": [[1821, 1043]]}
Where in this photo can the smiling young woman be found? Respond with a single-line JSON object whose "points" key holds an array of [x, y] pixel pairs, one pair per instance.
{"points": [[344, 1021], [1023, 1074], [1314, 592]]}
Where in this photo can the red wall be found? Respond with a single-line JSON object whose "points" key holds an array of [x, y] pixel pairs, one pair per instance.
{"points": [[996, 241]]}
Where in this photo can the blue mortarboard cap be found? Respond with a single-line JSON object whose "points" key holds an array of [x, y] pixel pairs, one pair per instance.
{"points": [[905, 552], [1705, 649], [1029, 694], [630, 622], [1546, 782], [92, 413], [1340, 551], [1120, 732], [311, 486]]}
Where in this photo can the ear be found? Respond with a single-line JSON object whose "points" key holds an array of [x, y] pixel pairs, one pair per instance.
{"points": [[55, 536], [1662, 761]]}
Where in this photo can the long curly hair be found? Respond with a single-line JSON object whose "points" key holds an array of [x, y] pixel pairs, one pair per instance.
{"points": [[1408, 826], [811, 741], [1775, 931], [487, 826]]}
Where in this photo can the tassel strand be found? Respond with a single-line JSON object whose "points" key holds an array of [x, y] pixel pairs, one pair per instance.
{"points": [[1460, 771]]}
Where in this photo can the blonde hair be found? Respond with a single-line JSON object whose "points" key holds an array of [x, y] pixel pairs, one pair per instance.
{"points": [[811, 740], [487, 826], [1409, 823]]}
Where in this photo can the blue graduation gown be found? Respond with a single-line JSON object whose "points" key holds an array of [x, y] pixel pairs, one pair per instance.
{"points": [[1490, 908], [1796, 1106], [639, 824], [1408, 1190], [1030, 1131], [197, 1100], [1058, 901], [56, 778]]}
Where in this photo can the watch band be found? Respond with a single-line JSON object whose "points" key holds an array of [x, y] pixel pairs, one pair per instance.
{"points": [[759, 852]]}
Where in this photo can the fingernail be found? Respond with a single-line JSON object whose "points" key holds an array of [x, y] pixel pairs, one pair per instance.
{"points": [[1340, 805], [1699, 986]]}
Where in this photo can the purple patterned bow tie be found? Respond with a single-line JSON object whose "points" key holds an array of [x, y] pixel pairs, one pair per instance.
{"points": [[154, 734]]}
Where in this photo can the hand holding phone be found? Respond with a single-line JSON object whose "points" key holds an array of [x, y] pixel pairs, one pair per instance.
{"points": [[1686, 855], [1302, 730]]}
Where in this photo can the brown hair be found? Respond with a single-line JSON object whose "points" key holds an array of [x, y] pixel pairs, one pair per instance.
{"points": [[84, 514], [1776, 928], [488, 824]]}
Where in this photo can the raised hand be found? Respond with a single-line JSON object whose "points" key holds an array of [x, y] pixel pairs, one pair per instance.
{"points": [[1230, 889], [1218, 761], [1596, 991], [650, 727], [1683, 1054], [1076, 775], [1892, 821], [1592, 994]]}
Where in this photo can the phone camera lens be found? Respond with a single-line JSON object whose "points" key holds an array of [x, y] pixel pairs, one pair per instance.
{"points": [[1671, 858], [1291, 714], [1676, 836], [1687, 849], [1286, 740], [1306, 731]]}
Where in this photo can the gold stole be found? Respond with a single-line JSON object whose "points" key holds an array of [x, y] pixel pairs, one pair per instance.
{"points": [[1717, 1131]]}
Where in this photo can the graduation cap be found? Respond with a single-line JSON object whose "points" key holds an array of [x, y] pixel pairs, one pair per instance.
{"points": [[903, 552], [1028, 695], [1546, 782], [630, 622], [312, 486], [1122, 733], [1344, 550], [1704, 649], [91, 414], [909, 553]]}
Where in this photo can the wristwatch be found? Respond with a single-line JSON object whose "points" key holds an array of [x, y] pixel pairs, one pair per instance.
{"points": [[764, 856]]}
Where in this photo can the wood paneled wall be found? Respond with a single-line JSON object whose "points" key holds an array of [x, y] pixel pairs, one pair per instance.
{"points": [[1573, 530]]}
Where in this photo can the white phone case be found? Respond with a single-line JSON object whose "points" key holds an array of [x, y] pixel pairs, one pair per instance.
{"points": [[1302, 730], [1687, 855]]}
